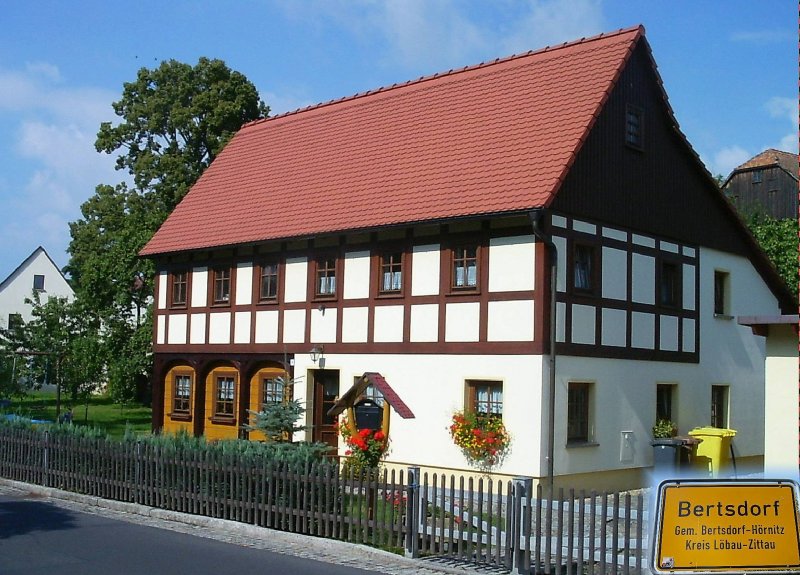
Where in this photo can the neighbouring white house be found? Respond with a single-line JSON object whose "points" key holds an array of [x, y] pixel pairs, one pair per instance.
{"points": [[782, 393], [414, 232], [37, 273]]}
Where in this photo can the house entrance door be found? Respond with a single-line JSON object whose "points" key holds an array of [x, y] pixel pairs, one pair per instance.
{"points": [[326, 390]]}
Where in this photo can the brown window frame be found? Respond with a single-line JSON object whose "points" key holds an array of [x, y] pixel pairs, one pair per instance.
{"points": [[221, 277], [722, 293], [272, 294], [179, 412], [15, 321], [670, 295], [665, 399], [219, 402], [493, 407], [579, 249], [460, 259], [175, 283], [579, 400], [326, 267], [392, 263], [268, 393], [720, 402]]}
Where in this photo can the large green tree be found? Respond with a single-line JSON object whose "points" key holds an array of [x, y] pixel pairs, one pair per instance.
{"points": [[173, 121], [779, 239]]}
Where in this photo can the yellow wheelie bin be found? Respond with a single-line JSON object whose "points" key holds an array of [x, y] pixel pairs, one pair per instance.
{"points": [[712, 454]]}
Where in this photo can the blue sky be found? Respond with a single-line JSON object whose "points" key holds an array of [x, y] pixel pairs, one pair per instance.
{"points": [[729, 68]]}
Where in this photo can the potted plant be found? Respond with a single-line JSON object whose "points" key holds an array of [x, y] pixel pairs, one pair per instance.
{"points": [[482, 438], [666, 448], [664, 428]]}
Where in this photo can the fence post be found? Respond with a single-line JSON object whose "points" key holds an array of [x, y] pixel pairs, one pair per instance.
{"points": [[137, 469], [46, 474], [519, 530], [412, 513]]}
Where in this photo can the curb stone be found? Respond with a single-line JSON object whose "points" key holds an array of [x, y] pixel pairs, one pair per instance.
{"points": [[309, 547]]}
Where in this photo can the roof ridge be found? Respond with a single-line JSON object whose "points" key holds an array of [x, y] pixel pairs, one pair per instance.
{"points": [[451, 72]]}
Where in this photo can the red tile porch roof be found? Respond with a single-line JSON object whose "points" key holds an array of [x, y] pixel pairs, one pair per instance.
{"points": [[494, 138]]}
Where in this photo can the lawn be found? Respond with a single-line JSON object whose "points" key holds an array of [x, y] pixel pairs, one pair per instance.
{"points": [[101, 412]]}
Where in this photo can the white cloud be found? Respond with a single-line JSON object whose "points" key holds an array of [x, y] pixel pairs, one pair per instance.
{"points": [[779, 107], [419, 31], [47, 155], [762, 36], [285, 102], [788, 143], [550, 22], [726, 159]]}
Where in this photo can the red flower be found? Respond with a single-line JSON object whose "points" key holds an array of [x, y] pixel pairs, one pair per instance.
{"points": [[379, 435], [365, 433], [348, 452]]}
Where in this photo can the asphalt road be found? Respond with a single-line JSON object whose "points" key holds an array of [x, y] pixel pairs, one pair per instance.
{"points": [[39, 538]]}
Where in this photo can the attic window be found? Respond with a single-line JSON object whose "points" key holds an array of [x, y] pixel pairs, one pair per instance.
{"points": [[634, 127], [758, 176], [38, 282]]}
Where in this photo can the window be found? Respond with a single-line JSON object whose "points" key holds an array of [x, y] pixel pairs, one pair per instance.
{"points": [[485, 397], [373, 393], [272, 390], [182, 394], [634, 127], [225, 390], [758, 176], [326, 277], [465, 268], [268, 284], [670, 285], [391, 273], [664, 394], [38, 282], [180, 283], [721, 295], [15, 321], [578, 398], [222, 285], [719, 406], [583, 267]]}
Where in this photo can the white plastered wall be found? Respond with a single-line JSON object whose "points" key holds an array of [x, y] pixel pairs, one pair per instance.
{"points": [[433, 387], [781, 451], [624, 391]]}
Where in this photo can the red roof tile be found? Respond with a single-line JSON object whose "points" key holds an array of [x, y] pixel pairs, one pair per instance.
{"points": [[772, 157], [497, 137]]}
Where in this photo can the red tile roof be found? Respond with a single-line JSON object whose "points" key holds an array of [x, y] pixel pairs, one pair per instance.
{"points": [[772, 157], [497, 137]]}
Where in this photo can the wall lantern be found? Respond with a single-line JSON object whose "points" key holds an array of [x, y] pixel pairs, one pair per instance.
{"points": [[316, 354]]}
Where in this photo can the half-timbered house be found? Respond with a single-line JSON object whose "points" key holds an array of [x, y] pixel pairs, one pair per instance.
{"points": [[415, 232]]}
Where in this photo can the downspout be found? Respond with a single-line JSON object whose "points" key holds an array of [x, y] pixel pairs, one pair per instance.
{"points": [[536, 217]]}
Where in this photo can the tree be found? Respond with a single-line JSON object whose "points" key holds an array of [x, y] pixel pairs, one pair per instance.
{"points": [[778, 238], [174, 120], [62, 345], [279, 421]]}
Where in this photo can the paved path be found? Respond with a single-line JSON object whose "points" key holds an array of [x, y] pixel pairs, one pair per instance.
{"points": [[327, 550]]}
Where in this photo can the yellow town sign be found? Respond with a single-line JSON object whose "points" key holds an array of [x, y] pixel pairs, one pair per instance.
{"points": [[727, 527]]}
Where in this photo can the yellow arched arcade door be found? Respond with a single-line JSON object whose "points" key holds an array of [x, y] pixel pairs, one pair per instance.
{"points": [[222, 403], [268, 385], [179, 399]]}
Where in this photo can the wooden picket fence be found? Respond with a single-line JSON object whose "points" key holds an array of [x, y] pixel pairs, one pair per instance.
{"points": [[507, 525]]}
